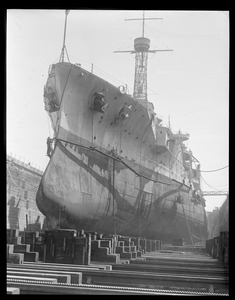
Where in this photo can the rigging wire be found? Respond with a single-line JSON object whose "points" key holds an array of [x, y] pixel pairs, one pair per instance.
{"points": [[48, 124], [99, 71], [112, 157], [200, 170], [208, 184], [67, 54], [216, 169]]}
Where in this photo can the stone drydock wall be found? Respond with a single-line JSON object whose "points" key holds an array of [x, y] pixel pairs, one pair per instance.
{"points": [[22, 184]]}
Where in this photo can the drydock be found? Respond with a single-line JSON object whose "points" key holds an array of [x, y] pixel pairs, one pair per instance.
{"points": [[119, 209], [43, 261], [70, 262]]}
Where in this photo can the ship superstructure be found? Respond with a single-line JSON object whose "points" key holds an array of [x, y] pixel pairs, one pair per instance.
{"points": [[114, 168]]}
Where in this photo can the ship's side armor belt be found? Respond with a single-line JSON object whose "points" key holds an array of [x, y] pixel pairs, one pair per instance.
{"points": [[124, 112], [99, 102]]}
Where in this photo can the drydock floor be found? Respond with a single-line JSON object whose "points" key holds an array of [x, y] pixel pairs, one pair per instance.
{"points": [[163, 272]]}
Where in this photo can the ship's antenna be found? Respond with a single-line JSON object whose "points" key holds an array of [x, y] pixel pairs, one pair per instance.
{"points": [[141, 50], [64, 46], [143, 26]]}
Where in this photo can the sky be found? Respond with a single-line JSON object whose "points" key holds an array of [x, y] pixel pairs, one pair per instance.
{"points": [[188, 86]]}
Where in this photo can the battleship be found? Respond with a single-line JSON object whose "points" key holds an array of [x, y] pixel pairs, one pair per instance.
{"points": [[114, 168]]}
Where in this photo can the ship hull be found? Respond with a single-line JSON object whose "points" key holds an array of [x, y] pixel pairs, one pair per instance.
{"points": [[103, 175]]}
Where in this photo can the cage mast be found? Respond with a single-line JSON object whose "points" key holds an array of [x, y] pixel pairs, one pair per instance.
{"points": [[141, 50]]}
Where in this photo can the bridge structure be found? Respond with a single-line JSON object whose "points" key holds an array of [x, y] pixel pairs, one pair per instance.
{"points": [[215, 193]]}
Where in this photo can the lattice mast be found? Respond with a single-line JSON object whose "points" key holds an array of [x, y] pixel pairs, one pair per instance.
{"points": [[141, 50], [141, 46]]}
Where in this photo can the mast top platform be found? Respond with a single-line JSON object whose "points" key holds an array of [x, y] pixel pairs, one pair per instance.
{"points": [[141, 44]]}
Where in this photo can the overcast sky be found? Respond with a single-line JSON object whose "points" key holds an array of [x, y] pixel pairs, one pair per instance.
{"points": [[190, 84]]}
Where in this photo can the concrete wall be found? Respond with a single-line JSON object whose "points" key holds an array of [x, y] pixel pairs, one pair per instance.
{"points": [[22, 184]]}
